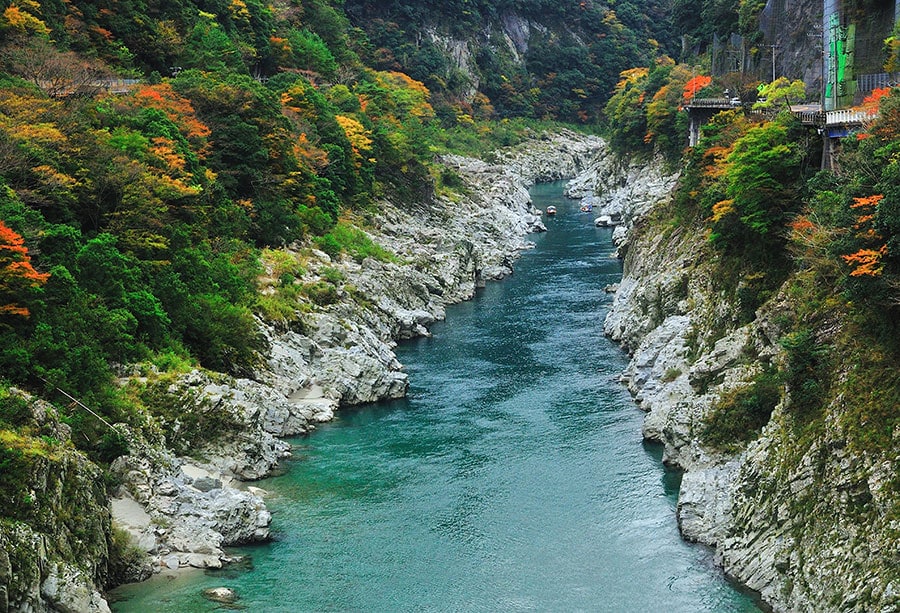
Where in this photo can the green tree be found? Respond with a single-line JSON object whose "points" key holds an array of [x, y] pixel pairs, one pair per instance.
{"points": [[761, 175]]}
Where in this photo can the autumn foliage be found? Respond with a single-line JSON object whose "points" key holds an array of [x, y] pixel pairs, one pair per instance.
{"points": [[17, 275], [866, 261], [695, 85]]}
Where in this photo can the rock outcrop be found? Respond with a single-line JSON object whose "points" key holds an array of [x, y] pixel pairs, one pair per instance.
{"points": [[55, 538], [183, 506], [809, 524]]}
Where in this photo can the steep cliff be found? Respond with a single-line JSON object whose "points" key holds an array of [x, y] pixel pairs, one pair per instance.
{"points": [[55, 536], [180, 495], [802, 505]]}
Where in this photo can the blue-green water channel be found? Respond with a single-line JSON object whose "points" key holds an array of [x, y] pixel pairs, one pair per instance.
{"points": [[513, 477]]}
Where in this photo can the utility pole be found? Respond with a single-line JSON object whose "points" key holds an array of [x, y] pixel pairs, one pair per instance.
{"points": [[774, 47], [819, 33]]}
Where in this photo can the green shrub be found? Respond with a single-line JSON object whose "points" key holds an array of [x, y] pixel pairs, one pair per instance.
{"points": [[14, 409], [740, 414], [332, 275], [806, 371], [321, 293], [349, 239], [125, 558]]}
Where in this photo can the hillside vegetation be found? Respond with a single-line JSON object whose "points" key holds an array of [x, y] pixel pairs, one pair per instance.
{"points": [[154, 156], [778, 390]]}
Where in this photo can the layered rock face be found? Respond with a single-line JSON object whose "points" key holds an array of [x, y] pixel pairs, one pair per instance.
{"points": [[183, 506], [182, 498], [809, 524], [54, 544]]}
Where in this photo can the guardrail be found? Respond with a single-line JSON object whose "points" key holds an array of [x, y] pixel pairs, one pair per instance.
{"points": [[714, 103], [828, 119], [847, 117], [116, 86]]}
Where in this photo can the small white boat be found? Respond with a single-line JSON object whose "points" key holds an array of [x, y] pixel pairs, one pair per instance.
{"points": [[587, 208], [551, 210]]}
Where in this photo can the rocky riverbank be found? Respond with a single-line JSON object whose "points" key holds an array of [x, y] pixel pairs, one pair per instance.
{"points": [[810, 523], [184, 492]]}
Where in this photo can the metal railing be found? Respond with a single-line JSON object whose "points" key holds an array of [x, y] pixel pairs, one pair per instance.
{"points": [[847, 117], [714, 103], [866, 83]]}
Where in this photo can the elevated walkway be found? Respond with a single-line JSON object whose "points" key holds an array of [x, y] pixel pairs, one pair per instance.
{"points": [[832, 125]]}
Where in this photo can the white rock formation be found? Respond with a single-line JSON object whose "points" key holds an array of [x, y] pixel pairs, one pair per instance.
{"points": [[783, 514], [183, 510]]}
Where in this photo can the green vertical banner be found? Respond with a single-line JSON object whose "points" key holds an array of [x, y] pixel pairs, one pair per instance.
{"points": [[845, 81], [840, 86]]}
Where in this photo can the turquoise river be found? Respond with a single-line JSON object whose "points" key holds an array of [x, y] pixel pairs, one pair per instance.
{"points": [[512, 478]]}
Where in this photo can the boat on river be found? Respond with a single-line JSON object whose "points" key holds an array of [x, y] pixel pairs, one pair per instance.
{"points": [[551, 210]]}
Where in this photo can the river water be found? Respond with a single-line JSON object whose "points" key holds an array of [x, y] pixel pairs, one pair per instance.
{"points": [[513, 477]]}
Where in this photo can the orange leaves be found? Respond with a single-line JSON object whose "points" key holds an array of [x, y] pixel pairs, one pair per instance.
{"points": [[179, 110], [694, 85], [17, 275], [308, 155], [867, 201], [722, 209], [802, 225], [871, 102], [866, 262], [10, 242], [714, 159]]}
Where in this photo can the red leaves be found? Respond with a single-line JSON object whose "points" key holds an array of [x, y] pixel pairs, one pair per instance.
{"points": [[695, 85], [17, 275]]}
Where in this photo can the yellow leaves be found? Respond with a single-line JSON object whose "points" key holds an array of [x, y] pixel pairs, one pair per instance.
{"points": [[408, 95], [631, 77], [723, 208], [356, 134], [408, 82], [28, 445], [611, 21], [53, 179], [238, 10], [45, 133], [16, 17]]}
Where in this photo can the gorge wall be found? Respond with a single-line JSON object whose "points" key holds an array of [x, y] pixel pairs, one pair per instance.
{"points": [[181, 492], [802, 515]]}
